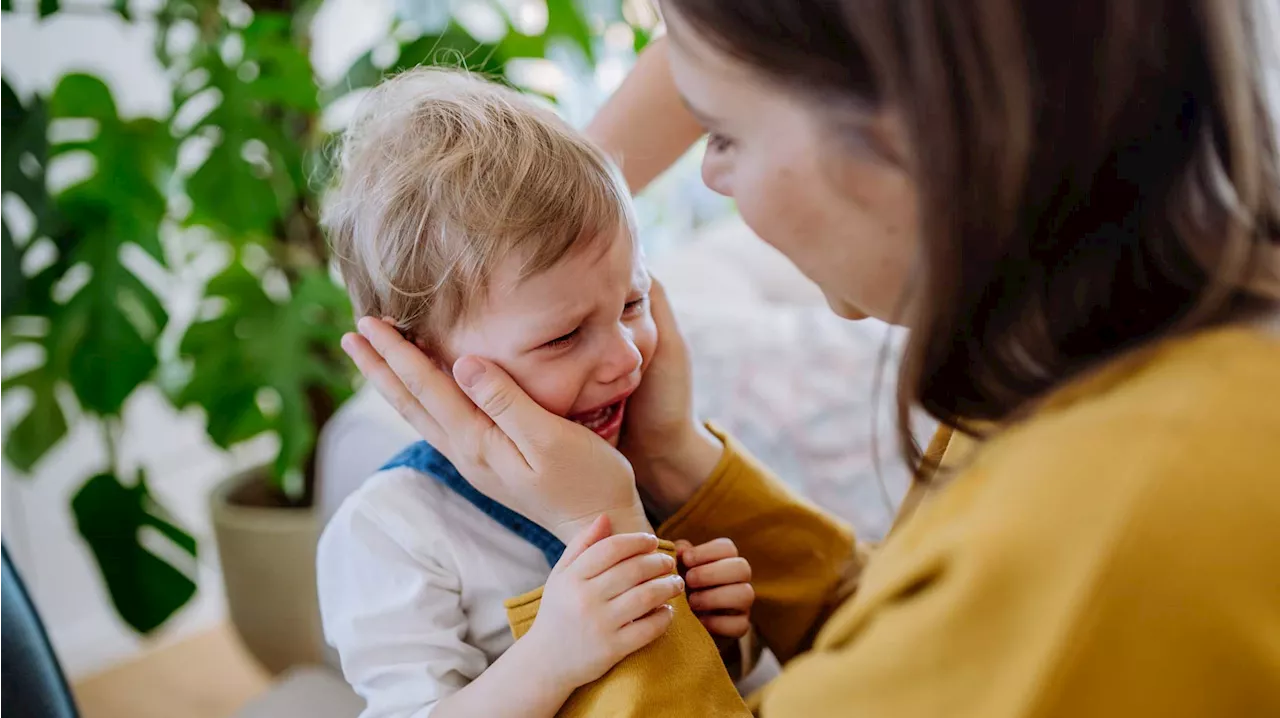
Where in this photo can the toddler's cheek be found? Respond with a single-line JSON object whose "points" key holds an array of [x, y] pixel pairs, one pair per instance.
{"points": [[553, 388]]}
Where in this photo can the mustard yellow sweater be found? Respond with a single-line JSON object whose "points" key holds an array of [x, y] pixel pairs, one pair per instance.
{"points": [[1115, 554]]}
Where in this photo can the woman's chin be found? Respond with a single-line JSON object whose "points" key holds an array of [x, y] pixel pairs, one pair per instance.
{"points": [[845, 309]]}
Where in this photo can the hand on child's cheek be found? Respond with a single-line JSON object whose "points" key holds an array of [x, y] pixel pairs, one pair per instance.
{"points": [[663, 405]]}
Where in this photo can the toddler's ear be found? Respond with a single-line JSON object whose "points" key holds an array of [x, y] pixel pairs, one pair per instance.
{"points": [[411, 338]]}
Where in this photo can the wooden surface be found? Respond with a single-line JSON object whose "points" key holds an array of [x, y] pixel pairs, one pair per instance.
{"points": [[206, 676]]}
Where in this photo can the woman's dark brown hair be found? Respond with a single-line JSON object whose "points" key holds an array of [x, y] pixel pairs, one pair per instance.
{"points": [[1092, 174]]}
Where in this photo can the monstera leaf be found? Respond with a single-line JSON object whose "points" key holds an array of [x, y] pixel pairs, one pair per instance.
{"points": [[103, 335], [255, 365], [99, 335], [565, 20], [145, 588], [25, 149], [25, 153], [455, 47], [99, 321], [452, 46], [266, 99]]}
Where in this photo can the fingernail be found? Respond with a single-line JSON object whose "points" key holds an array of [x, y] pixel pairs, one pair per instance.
{"points": [[669, 562], [679, 583], [468, 371], [348, 343], [362, 326]]}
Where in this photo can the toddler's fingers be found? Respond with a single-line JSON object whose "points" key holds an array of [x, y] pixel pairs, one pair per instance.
{"points": [[716, 550], [632, 572], [642, 599], [719, 573], [610, 552], [588, 537], [734, 597], [727, 626], [645, 630]]}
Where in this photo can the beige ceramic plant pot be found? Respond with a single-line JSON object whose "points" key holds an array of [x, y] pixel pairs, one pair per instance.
{"points": [[268, 557]]}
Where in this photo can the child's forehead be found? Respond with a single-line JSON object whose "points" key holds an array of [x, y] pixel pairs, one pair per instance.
{"points": [[608, 262], [524, 312]]}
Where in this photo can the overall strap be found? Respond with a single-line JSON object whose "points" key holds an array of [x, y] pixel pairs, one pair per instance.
{"points": [[424, 458]]}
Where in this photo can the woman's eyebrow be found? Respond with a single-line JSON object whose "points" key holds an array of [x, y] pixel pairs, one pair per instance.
{"points": [[702, 117]]}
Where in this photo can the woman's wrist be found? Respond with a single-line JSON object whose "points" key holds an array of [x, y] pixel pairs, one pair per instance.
{"points": [[670, 479], [621, 521]]}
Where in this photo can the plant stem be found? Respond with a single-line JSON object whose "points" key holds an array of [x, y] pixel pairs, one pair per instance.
{"points": [[111, 437]]}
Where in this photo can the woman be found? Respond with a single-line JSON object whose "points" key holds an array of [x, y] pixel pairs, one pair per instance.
{"points": [[1075, 208]]}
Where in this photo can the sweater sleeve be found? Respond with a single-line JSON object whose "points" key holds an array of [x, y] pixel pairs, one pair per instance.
{"points": [[680, 674], [804, 562]]}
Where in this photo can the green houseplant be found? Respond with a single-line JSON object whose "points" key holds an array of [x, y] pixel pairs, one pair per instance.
{"points": [[239, 165]]}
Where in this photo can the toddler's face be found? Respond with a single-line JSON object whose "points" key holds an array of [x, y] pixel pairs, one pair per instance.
{"points": [[576, 337]]}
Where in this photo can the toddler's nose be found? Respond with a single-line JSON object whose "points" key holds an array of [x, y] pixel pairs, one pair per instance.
{"points": [[621, 359]]}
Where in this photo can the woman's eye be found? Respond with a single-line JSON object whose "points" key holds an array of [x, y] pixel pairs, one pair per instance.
{"points": [[719, 143], [562, 341], [635, 307]]}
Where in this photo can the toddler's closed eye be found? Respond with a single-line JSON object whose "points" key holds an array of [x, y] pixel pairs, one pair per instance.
{"points": [[635, 306], [562, 341]]}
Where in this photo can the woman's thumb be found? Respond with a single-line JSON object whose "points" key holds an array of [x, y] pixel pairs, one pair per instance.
{"points": [[599, 530], [498, 395]]}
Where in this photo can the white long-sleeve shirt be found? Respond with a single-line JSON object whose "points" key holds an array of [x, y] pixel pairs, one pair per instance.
{"points": [[411, 579]]}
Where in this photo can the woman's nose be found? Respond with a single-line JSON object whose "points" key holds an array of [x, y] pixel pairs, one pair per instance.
{"points": [[715, 175], [621, 359]]}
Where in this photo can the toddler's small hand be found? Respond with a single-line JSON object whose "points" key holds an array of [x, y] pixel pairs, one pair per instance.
{"points": [[605, 599], [719, 582]]}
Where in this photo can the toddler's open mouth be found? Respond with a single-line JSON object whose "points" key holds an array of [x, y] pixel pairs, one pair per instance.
{"points": [[606, 421]]}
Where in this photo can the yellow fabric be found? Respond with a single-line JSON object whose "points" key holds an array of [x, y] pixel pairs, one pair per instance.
{"points": [[796, 552], [656, 680], [1116, 553]]}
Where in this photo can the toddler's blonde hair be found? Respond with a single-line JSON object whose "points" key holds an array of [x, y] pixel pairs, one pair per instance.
{"points": [[440, 177]]}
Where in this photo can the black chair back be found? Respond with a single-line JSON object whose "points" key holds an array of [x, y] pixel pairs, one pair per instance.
{"points": [[31, 681]]}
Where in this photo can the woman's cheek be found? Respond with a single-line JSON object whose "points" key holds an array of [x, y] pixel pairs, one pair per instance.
{"points": [[716, 173]]}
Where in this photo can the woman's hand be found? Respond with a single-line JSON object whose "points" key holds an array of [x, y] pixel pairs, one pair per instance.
{"points": [[719, 581], [671, 451], [555, 472], [605, 599]]}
